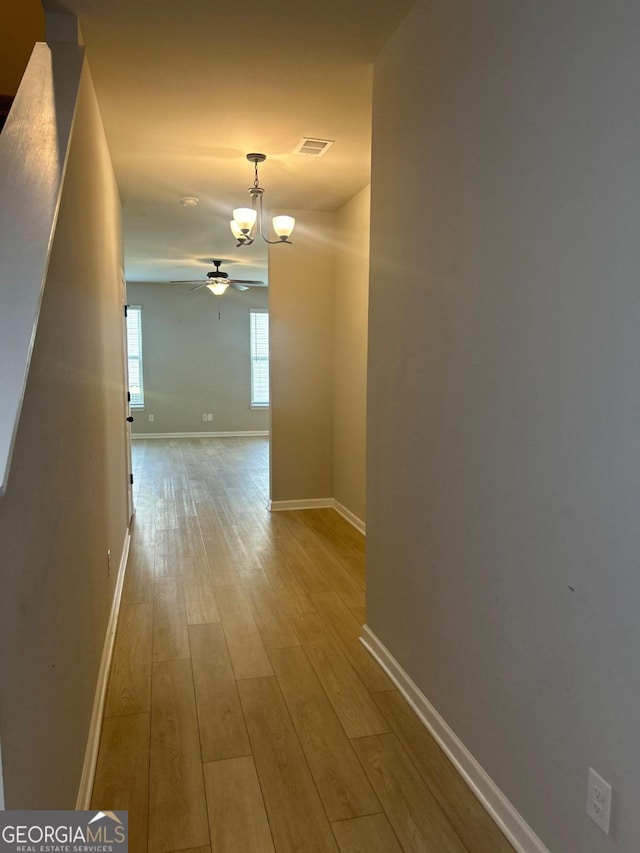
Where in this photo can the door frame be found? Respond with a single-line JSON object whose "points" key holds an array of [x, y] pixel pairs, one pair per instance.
{"points": [[127, 403]]}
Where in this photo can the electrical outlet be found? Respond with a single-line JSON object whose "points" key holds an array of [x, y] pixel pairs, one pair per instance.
{"points": [[152, 418], [204, 417], [599, 800], [108, 562]]}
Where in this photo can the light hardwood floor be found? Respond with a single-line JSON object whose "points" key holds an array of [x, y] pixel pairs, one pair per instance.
{"points": [[242, 714]]}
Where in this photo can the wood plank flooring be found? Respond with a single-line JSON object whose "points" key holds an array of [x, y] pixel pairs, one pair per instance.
{"points": [[242, 714]]}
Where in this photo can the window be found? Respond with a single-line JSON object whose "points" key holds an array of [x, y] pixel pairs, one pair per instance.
{"points": [[259, 325], [134, 352]]}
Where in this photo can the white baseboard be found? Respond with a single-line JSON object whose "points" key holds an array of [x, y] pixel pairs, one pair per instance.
{"points": [[505, 815], [306, 503], [95, 728], [320, 503], [349, 516], [234, 434]]}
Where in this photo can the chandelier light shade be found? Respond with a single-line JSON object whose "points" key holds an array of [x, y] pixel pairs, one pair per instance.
{"points": [[236, 230], [247, 221], [245, 218], [283, 226]]}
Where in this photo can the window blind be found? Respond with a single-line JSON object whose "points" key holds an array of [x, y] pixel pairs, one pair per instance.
{"points": [[134, 354], [259, 326]]}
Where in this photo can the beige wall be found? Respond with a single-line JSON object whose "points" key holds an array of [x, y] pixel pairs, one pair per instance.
{"points": [[301, 305], [195, 363], [65, 505], [351, 299], [21, 26], [503, 405], [318, 305]]}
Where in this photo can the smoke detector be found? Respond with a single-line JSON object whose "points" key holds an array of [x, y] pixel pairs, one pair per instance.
{"points": [[189, 201], [313, 147]]}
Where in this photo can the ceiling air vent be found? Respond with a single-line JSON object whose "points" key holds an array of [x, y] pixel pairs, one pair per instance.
{"points": [[313, 147]]}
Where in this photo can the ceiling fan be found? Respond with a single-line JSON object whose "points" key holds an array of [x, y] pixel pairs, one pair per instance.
{"points": [[218, 281]]}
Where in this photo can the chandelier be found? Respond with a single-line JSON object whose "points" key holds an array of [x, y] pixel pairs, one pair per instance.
{"points": [[247, 221]]}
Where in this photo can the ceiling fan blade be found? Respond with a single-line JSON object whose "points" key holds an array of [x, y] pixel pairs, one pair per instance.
{"points": [[198, 286], [189, 281], [253, 282], [239, 286]]}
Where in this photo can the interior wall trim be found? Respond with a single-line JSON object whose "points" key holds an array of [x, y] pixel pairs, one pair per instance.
{"points": [[136, 436], [95, 728], [502, 811], [304, 503], [320, 503], [351, 517]]}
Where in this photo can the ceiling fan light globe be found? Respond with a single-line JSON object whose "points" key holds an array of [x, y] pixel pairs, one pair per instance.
{"points": [[218, 288], [283, 226], [245, 218]]}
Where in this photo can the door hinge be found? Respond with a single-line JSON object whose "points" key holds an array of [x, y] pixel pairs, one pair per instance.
{"points": [[126, 310], [131, 479], [128, 396]]}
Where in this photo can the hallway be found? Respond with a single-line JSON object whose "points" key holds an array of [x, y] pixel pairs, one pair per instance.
{"points": [[242, 713]]}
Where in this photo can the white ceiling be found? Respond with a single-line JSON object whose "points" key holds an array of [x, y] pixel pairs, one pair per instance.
{"points": [[188, 89]]}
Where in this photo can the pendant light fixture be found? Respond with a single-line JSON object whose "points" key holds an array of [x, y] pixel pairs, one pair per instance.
{"points": [[247, 221], [218, 288]]}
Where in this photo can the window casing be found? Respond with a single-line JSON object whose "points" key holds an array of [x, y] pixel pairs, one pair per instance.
{"points": [[259, 342], [134, 355]]}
